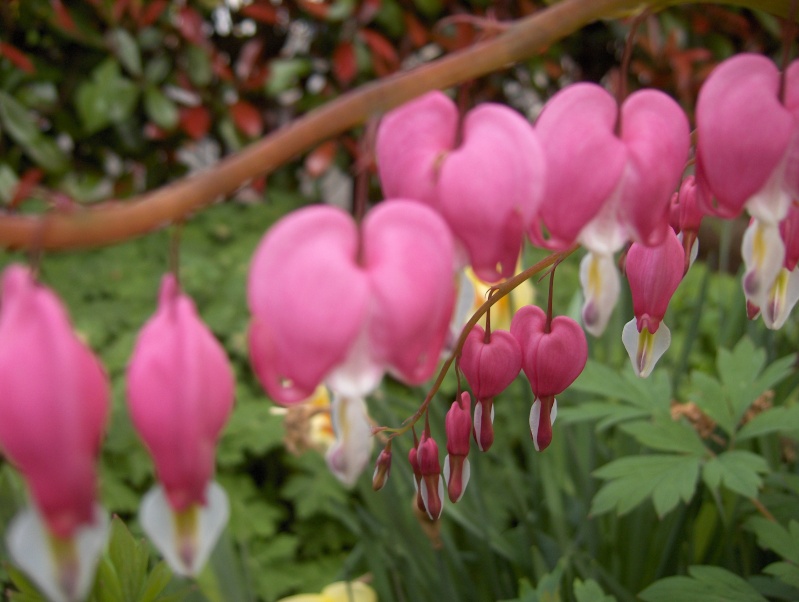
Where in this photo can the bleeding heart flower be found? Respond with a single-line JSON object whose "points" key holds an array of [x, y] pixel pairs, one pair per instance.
{"points": [[53, 410], [485, 178], [337, 303], [618, 169], [553, 355], [784, 292], [489, 365], [654, 274], [180, 391], [431, 487], [459, 431]]}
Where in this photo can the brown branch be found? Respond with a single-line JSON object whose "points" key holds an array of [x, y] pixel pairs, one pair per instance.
{"points": [[116, 221]]}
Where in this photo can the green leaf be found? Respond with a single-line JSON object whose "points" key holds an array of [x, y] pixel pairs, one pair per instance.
{"points": [[157, 580], [607, 414], [589, 591], [775, 537], [286, 73], [706, 584], [107, 584], [737, 470], [664, 478], [160, 109], [127, 50], [107, 98], [130, 560], [23, 128], [27, 591], [8, 183], [666, 435], [199, 66], [786, 572], [775, 420], [710, 397]]}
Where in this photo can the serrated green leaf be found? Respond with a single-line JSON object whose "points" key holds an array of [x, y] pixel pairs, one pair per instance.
{"points": [[706, 584], [590, 591], [774, 420], [22, 127], [786, 572], [737, 470], [710, 397], [775, 537], [664, 478], [666, 435]]}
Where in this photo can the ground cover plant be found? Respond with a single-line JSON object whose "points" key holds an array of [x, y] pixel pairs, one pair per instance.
{"points": [[254, 257]]}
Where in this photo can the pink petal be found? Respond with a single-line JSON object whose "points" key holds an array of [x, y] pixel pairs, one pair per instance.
{"points": [[412, 140], [408, 255], [54, 402], [490, 188], [490, 367], [180, 393], [743, 129], [308, 299], [585, 159]]}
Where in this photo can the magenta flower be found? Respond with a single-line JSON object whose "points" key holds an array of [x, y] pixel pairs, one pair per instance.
{"points": [[553, 355], [459, 434], [343, 304], [610, 176], [489, 367], [53, 411], [654, 274], [686, 218], [180, 393], [431, 487], [748, 157], [486, 178]]}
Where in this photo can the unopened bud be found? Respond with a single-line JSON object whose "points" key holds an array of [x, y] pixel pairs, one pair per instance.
{"points": [[382, 468], [459, 426], [484, 423], [417, 478], [431, 486]]}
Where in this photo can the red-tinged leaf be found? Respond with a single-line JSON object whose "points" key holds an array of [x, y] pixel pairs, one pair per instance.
{"points": [[416, 31], [381, 47], [248, 57], [345, 66], [190, 25], [152, 12], [220, 65], [62, 17], [154, 132], [25, 186], [319, 10], [247, 118], [319, 159], [18, 58], [195, 121], [265, 13], [368, 10]]}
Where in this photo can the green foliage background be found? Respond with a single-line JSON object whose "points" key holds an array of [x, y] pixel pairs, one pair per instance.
{"points": [[628, 503]]}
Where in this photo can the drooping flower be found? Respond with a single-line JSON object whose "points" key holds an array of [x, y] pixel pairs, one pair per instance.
{"points": [[180, 393], [53, 410], [748, 157], [459, 431], [489, 366], [611, 173], [341, 304], [553, 355], [486, 177], [431, 487], [382, 468], [654, 274]]}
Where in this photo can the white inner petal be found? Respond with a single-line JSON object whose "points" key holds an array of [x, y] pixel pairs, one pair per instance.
{"points": [[599, 279], [763, 253], [348, 456], [645, 348]]}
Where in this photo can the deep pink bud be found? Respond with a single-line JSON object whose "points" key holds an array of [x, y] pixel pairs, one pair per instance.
{"points": [[550, 360], [54, 402], [413, 460], [459, 430], [490, 367], [431, 486], [686, 211], [180, 392], [459, 425], [382, 468]]}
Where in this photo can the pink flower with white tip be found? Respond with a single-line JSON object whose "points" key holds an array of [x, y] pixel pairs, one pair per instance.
{"points": [[485, 177], [610, 176], [339, 303], [554, 353], [180, 391], [489, 364], [748, 157], [654, 274], [459, 433], [53, 411], [431, 487]]}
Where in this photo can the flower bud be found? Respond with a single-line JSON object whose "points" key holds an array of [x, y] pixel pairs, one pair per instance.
{"points": [[382, 468], [431, 486], [456, 465]]}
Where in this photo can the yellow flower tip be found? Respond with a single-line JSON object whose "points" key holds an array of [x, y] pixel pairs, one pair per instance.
{"points": [[502, 311], [340, 591]]}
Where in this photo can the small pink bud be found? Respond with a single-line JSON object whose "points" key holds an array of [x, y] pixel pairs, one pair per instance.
{"points": [[180, 393], [54, 403], [484, 423], [431, 487], [489, 367], [382, 469], [459, 426], [413, 460]]}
